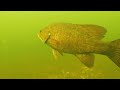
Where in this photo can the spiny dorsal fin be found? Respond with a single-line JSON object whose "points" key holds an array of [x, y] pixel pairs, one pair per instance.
{"points": [[86, 59]]}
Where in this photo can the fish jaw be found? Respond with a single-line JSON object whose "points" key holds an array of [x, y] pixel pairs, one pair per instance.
{"points": [[40, 38], [45, 39]]}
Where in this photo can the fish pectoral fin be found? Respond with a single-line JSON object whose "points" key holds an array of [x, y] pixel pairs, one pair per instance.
{"points": [[56, 53], [86, 59]]}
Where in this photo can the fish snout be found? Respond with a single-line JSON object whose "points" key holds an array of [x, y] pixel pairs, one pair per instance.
{"points": [[38, 34]]}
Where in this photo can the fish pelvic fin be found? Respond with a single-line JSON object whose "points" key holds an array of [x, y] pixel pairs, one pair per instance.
{"points": [[114, 53], [86, 59], [56, 54]]}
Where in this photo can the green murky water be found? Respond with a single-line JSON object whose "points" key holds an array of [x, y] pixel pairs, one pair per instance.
{"points": [[23, 55]]}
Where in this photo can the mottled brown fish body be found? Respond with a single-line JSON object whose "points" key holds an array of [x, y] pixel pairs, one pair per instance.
{"points": [[80, 40], [75, 38]]}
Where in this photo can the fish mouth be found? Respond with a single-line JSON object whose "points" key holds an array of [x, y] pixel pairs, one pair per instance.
{"points": [[44, 41], [40, 37]]}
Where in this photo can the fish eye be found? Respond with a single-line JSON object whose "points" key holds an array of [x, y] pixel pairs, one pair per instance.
{"points": [[49, 34], [40, 30]]}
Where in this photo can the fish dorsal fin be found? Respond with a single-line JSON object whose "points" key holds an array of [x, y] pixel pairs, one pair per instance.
{"points": [[94, 32], [87, 31], [86, 59], [56, 53]]}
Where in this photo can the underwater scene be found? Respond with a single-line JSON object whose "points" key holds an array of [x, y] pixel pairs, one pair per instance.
{"points": [[59, 44]]}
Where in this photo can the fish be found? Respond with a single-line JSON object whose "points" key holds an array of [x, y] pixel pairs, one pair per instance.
{"points": [[81, 40]]}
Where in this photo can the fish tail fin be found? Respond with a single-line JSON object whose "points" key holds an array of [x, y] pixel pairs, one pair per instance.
{"points": [[114, 53]]}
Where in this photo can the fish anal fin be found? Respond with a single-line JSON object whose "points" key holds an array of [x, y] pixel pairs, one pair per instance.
{"points": [[86, 59]]}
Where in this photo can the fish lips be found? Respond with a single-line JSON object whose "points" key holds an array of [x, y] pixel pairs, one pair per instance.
{"points": [[45, 40], [40, 38]]}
